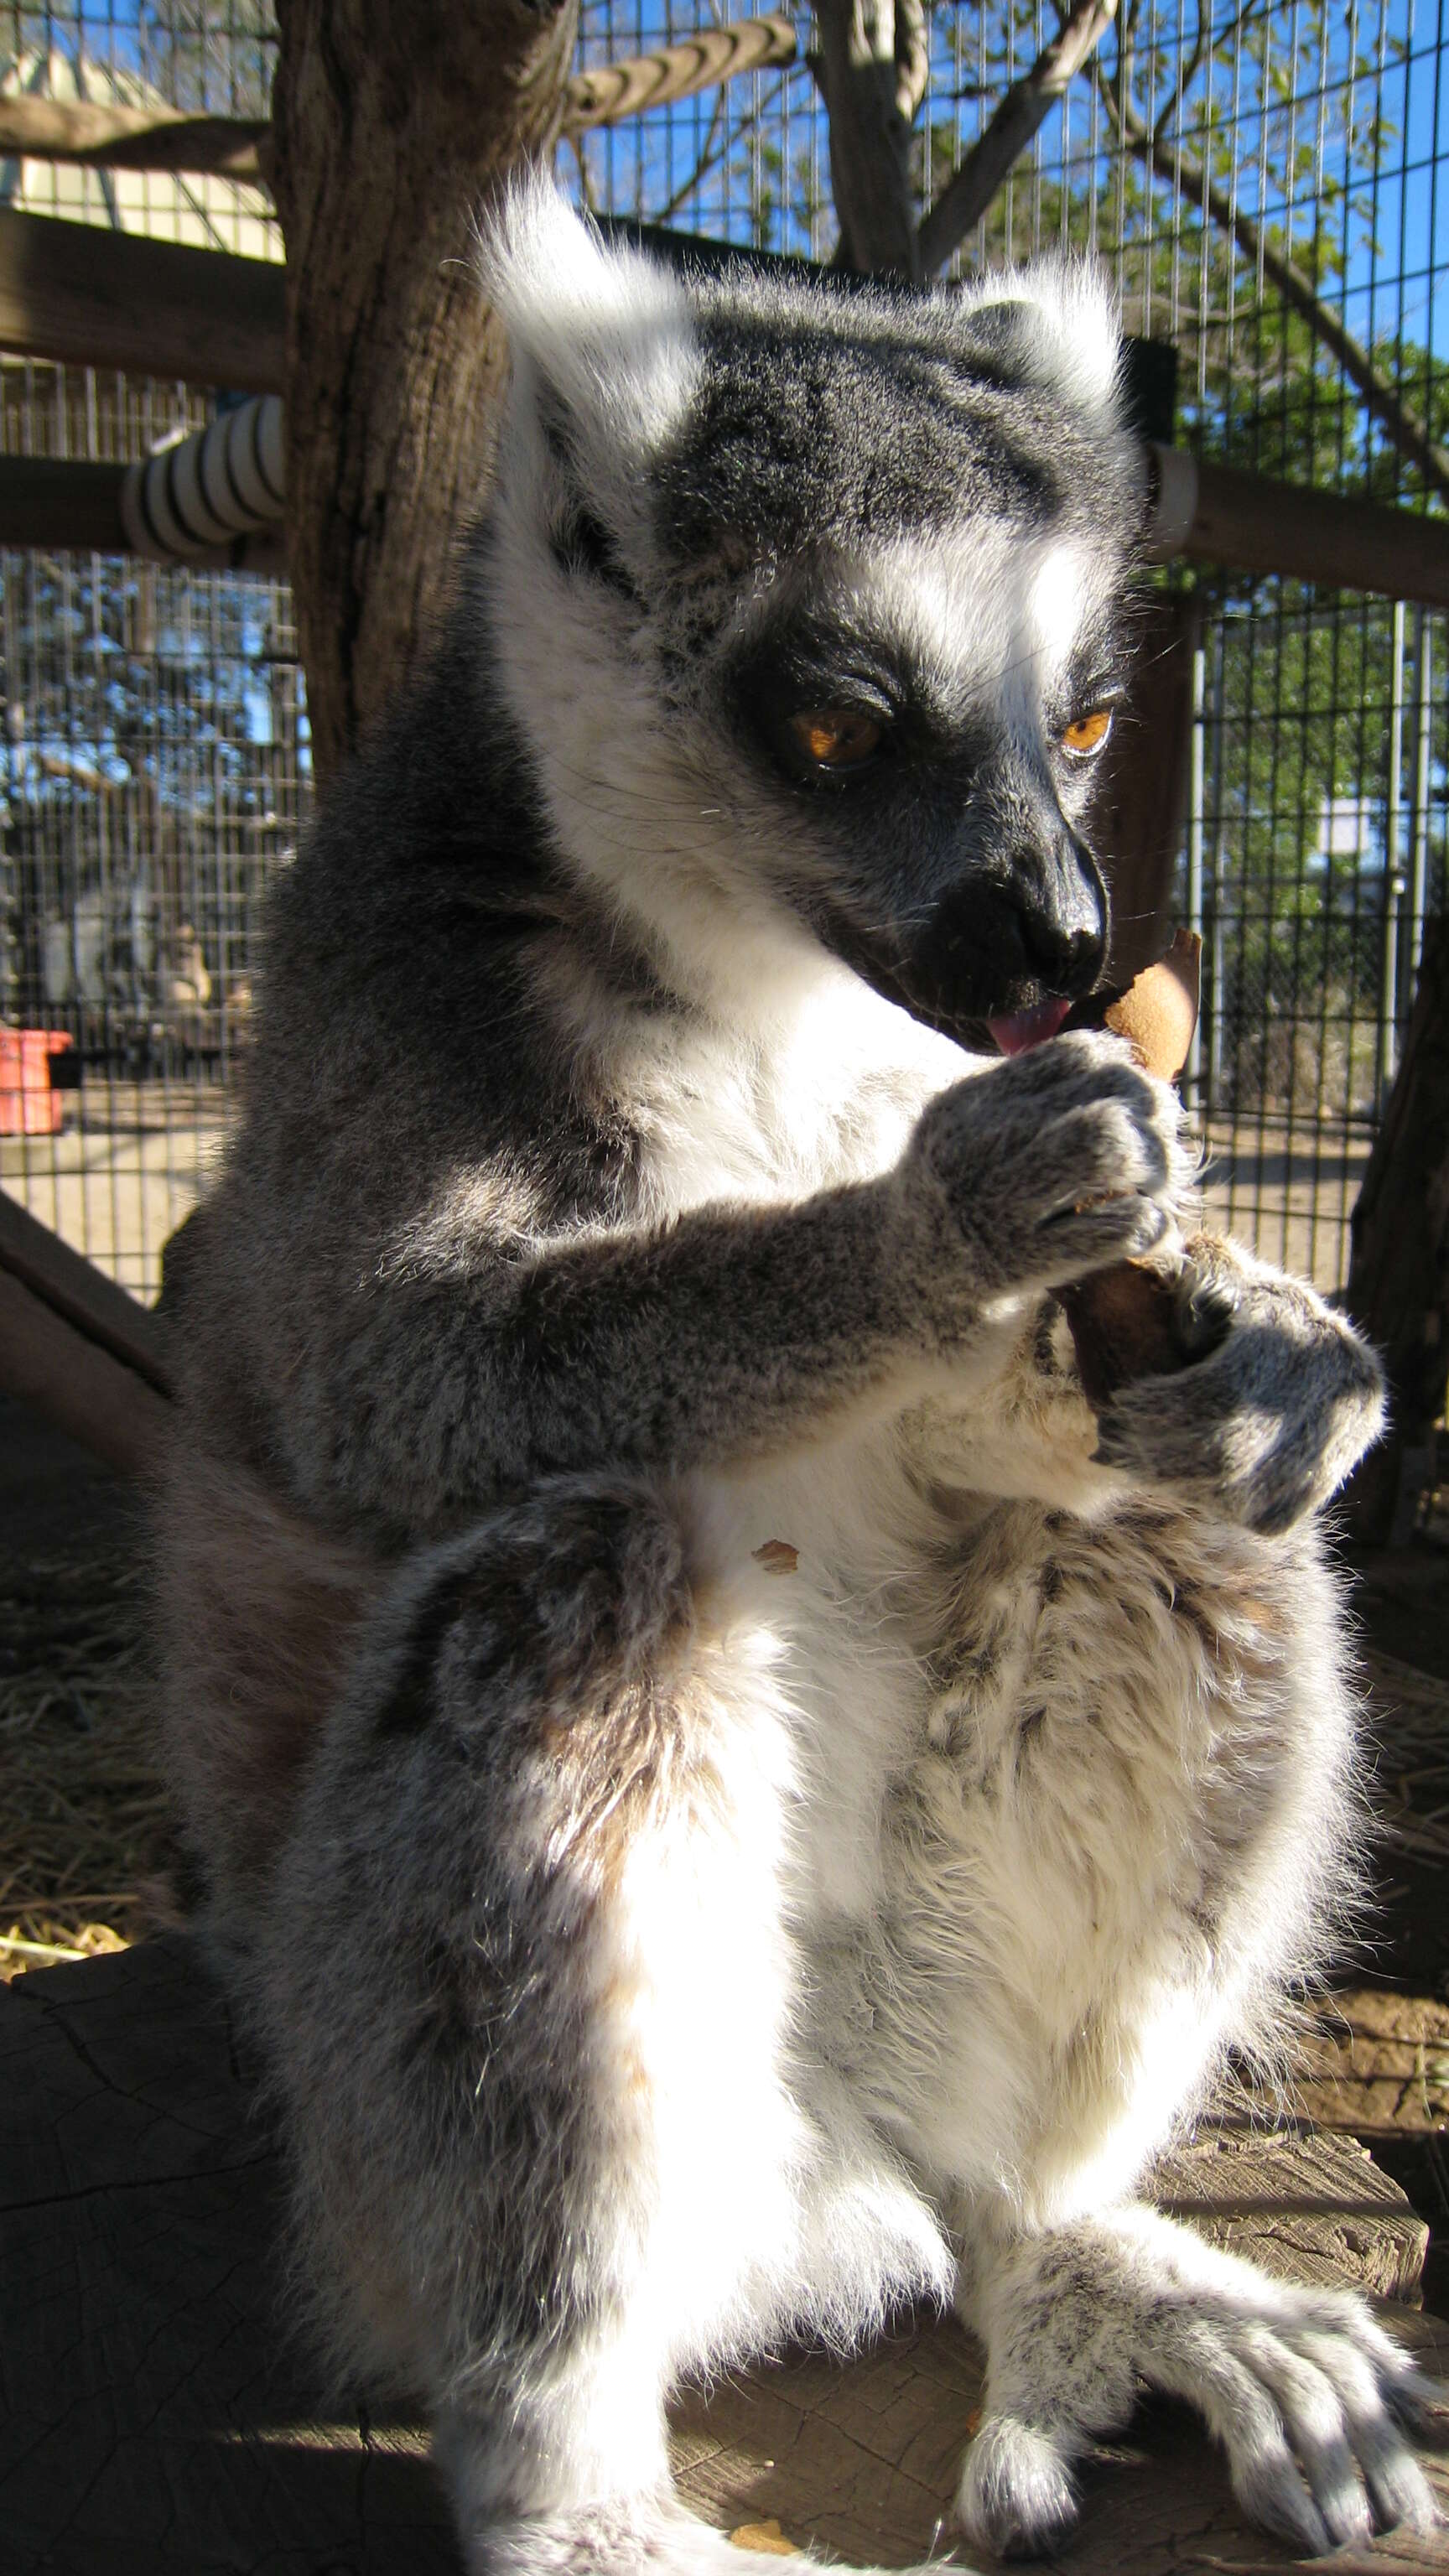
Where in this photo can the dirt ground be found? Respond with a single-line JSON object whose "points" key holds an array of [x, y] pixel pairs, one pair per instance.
{"points": [[87, 1859]]}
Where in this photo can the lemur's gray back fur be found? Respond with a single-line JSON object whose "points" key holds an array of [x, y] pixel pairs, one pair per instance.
{"points": [[741, 1799]]}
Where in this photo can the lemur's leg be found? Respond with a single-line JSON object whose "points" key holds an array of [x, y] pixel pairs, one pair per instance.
{"points": [[1305, 2392], [1279, 1402], [523, 1987]]}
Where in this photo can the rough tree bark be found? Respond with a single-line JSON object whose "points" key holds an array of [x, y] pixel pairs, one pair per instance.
{"points": [[871, 70], [394, 121], [1398, 1280]]}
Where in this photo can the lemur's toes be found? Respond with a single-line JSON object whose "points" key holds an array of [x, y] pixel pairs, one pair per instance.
{"points": [[1016, 2495]]}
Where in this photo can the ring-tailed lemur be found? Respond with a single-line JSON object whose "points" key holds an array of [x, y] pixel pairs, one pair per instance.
{"points": [[743, 1801]]}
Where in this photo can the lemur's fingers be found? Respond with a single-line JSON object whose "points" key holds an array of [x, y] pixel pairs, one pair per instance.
{"points": [[1302, 2398], [1312, 2417], [1197, 2362], [1017, 2495], [1054, 1163], [1375, 2392], [1277, 1401]]}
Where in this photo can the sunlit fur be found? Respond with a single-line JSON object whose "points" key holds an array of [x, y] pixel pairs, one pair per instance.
{"points": [[735, 1797]]}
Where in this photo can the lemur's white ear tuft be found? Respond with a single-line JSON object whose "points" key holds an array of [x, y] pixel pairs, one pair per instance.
{"points": [[607, 331], [1066, 321]]}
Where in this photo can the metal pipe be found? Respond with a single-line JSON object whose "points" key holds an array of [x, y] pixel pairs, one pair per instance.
{"points": [[1393, 881], [1419, 827], [1192, 1070]]}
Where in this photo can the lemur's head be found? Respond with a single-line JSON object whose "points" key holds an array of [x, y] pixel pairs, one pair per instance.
{"points": [[805, 602]]}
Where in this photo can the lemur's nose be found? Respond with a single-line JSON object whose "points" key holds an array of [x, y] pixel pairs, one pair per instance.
{"points": [[1062, 910]]}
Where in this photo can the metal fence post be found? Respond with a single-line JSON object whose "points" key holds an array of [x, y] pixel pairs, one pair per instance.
{"points": [[1419, 812], [1393, 882], [1192, 1071]]}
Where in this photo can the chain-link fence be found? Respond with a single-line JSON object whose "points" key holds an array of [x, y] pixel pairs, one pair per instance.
{"points": [[155, 744], [1263, 183]]}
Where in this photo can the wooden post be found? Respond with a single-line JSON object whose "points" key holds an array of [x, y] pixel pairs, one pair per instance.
{"points": [[1398, 1281], [394, 122]]}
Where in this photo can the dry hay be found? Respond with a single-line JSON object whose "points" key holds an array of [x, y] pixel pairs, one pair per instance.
{"points": [[84, 1825]]}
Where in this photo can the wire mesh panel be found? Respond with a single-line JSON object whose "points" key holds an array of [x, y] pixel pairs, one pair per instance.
{"points": [[155, 745], [1261, 179]]}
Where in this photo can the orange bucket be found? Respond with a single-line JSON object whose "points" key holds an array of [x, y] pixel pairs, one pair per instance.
{"points": [[29, 1104]]}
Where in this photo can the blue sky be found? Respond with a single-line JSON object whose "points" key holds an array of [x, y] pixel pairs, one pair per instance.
{"points": [[1398, 287]]}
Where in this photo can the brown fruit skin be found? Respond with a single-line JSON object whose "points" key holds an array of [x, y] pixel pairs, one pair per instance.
{"points": [[1123, 1326], [1158, 1011], [1123, 1320]]}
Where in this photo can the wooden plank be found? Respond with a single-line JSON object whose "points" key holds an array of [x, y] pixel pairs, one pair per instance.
{"points": [[95, 298], [156, 2416], [61, 501], [48, 1363], [78, 293], [45, 1264]]}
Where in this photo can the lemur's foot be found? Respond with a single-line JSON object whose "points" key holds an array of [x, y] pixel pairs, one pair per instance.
{"points": [[1280, 1400], [1307, 2394]]}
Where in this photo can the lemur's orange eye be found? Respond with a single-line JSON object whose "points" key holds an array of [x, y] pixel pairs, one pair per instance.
{"points": [[1087, 734], [837, 737]]}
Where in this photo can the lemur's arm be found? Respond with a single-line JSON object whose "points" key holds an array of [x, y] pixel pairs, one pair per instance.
{"points": [[731, 1329]]}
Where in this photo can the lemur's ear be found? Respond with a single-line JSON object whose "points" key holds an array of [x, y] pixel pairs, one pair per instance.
{"points": [[1059, 321], [603, 343]]}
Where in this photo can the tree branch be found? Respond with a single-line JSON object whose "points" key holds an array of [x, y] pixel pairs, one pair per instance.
{"points": [[913, 58], [858, 77], [1008, 131]]}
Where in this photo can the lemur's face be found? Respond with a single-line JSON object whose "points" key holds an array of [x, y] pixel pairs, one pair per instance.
{"points": [[837, 577]]}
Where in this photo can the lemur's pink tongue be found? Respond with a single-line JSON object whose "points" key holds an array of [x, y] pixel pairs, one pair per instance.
{"points": [[1022, 1029]]}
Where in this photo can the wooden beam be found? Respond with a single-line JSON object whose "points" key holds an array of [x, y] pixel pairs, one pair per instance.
{"points": [[43, 1263], [75, 292], [94, 298], [1221, 515], [233, 147], [54, 501], [48, 1363], [57, 503]]}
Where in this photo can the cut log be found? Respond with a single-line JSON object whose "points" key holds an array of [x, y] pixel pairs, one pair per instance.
{"points": [[157, 2416]]}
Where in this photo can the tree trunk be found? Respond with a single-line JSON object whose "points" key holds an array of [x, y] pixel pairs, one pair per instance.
{"points": [[1398, 1281], [871, 70], [394, 122]]}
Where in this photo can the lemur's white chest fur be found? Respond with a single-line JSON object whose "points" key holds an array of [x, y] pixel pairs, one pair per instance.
{"points": [[1016, 1747]]}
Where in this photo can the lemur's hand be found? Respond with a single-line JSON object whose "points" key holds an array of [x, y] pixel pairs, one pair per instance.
{"points": [[1048, 1165], [1279, 1400]]}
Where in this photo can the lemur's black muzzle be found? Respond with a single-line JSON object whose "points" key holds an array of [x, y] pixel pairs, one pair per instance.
{"points": [[996, 945]]}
